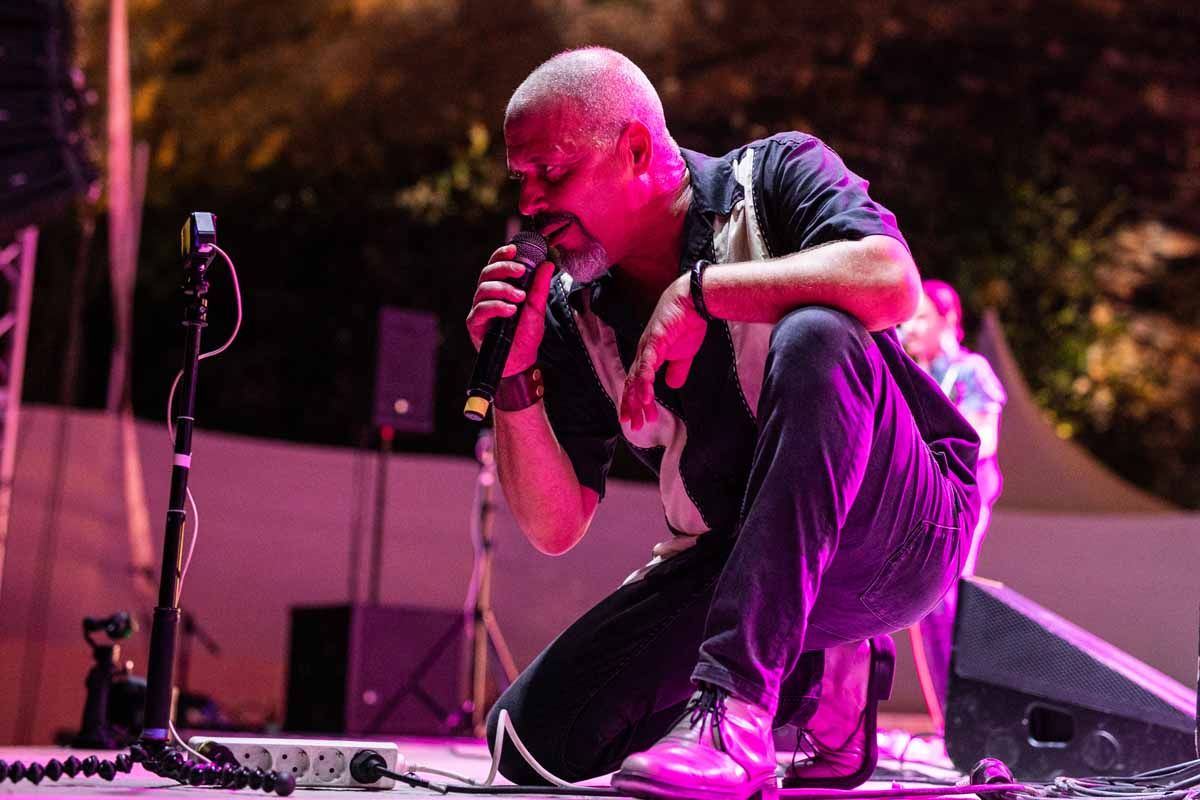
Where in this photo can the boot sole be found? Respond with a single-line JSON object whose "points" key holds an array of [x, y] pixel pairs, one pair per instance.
{"points": [[637, 786]]}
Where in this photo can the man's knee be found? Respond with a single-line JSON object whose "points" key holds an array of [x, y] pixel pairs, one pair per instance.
{"points": [[815, 334], [814, 341], [568, 746], [542, 730]]}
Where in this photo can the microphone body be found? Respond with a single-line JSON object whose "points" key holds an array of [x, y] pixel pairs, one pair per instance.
{"points": [[497, 342]]}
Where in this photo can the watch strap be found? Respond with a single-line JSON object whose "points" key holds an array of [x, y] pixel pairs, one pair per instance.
{"points": [[697, 289]]}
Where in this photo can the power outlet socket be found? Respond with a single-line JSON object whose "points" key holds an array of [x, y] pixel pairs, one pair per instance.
{"points": [[312, 762], [328, 765]]}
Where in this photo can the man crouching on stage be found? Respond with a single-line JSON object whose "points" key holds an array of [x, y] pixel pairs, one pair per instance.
{"points": [[731, 318]]}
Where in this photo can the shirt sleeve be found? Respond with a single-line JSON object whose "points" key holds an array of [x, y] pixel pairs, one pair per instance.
{"points": [[811, 198], [978, 388], [581, 414]]}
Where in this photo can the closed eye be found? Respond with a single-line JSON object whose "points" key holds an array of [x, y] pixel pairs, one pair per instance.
{"points": [[553, 172]]}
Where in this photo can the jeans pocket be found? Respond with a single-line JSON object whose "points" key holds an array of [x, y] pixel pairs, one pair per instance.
{"points": [[915, 577]]}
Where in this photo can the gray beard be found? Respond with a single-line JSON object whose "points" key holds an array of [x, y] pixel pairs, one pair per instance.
{"points": [[584, 264]]}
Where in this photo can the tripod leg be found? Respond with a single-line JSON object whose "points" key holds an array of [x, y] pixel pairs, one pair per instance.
{"points": [[500, 647]]}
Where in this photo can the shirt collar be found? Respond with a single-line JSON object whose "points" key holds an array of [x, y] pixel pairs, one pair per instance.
{"points": [[714, 190]]}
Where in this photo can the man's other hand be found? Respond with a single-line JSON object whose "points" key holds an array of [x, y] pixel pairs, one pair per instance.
{"points": [[673, 337]]}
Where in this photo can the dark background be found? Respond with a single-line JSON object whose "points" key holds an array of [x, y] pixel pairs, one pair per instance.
{"points": [[1043, 157]]}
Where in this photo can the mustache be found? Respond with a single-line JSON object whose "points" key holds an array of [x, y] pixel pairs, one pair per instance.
{"points": [[549, 218], [542, 221]]}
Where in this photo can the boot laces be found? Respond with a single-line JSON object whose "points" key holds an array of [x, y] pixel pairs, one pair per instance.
{"points": [[709, 705]]}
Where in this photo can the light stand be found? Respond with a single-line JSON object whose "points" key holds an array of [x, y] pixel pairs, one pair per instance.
{"points": [[387, 435], [480, 624]]}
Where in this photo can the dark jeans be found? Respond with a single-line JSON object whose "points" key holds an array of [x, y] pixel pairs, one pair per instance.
{"points": [[849, 529]]}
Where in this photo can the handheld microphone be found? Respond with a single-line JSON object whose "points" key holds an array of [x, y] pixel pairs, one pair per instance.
{"points": [[493, 352]]}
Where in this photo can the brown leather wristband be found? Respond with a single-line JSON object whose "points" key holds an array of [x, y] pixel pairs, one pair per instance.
{"points": [[520, 391]]}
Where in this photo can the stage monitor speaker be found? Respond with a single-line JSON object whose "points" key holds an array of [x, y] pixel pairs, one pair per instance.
{"points": [[405, 370], [1048, 698], [362, 669]]}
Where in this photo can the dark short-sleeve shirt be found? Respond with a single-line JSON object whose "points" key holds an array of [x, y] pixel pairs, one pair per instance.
{"points": [[778, 195]]}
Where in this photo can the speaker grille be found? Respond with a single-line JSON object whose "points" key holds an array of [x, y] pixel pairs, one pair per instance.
{"points": [[1003, 639]]}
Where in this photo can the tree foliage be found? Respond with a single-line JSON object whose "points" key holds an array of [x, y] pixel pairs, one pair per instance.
{"points": [[1041, 156]]}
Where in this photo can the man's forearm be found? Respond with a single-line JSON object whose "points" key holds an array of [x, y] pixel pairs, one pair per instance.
{"points": [[874, 280], [553, 509]]}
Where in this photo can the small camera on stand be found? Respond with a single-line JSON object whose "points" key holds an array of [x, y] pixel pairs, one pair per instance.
{"points": [[114, 711]]}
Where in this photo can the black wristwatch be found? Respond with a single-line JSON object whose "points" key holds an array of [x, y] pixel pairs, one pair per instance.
{"points": [[698, 289], [520, 391]]}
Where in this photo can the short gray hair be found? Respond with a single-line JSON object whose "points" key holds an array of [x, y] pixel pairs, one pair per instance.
{"points": [[607, 88]]}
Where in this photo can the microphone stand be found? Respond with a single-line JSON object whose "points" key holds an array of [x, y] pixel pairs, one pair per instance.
{"points": [[483, 628], [153, 750], [156, 735]]}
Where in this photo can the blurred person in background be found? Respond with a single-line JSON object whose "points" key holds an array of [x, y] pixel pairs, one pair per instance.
{"points": [[933, 337]]}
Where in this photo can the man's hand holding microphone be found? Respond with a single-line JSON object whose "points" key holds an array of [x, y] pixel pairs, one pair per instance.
{"points": [[507, 317]]}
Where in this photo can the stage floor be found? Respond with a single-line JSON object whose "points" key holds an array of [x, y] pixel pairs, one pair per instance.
{"points": [[466, 757]]}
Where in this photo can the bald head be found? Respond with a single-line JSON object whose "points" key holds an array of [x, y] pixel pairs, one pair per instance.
{"points": [[600, 176], [605, 89]]}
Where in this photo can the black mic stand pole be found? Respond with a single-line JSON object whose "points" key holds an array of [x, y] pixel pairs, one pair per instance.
{"points": [[199, 234]]}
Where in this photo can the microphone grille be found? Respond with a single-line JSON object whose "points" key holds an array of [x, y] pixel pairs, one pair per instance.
{"points": [[531, 247]]}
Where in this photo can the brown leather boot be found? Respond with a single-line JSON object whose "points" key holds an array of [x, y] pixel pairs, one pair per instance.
{"points": [[836, 747], [720, 750]]}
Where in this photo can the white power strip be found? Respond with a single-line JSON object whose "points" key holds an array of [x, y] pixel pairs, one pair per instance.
{"points": [[312, 762]]}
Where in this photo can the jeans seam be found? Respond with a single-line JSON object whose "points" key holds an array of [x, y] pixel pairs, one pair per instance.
{"points": [[908, 544], [823, 629]]}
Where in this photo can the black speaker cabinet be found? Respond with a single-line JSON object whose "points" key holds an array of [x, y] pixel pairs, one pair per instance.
{"points": [[365, 669], [1048, 698], [405, 370]]}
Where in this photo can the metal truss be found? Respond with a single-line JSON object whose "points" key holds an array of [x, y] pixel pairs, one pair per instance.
{"points": [[17, 258]]}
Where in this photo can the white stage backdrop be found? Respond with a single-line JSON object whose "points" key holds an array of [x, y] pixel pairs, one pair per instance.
{"points": [[276, 522]]}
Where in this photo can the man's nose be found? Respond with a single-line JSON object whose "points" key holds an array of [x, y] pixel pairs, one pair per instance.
{"points": [[532, 199]]}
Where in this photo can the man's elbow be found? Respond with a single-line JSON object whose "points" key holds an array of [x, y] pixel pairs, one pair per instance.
{"points": [[899, 283], [557, 541], [554, 546], [551, 526], [557, 532]]}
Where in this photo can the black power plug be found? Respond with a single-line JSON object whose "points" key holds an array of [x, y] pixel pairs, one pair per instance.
{"points": [[367, 766]]}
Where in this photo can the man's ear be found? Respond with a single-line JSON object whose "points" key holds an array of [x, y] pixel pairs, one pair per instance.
{"points": [[638, 147]]}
